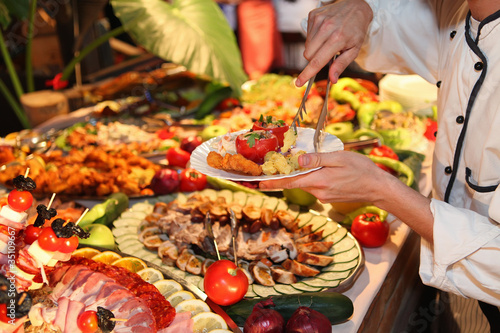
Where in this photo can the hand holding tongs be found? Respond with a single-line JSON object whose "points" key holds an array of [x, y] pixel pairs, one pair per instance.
{"points": [[234, 233], [208, 226]]}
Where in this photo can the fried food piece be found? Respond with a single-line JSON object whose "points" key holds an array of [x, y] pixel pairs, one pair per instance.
{"points": [[238, 163], [233, 163], [214, 160]]}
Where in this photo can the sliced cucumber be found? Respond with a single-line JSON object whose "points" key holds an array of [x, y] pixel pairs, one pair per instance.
{"points": [[210, 193], [132, 249], [304, 219], [345, 244], [329, 228], [304, 287], [317, 222], [341, 267], [250, 293], [337, 236], [121, 239], [256, 200], [263, 291], [129, 214], [294, 210], [201, 284], [345, 256], [117, 232], [193, 279], [127, 222], [330, 276], [130, 242], [320, 283], [145, 207], [270, 203], [181, 198], [285, 289], [282, 205], [240, 197], [167, 198], [226, 194]]}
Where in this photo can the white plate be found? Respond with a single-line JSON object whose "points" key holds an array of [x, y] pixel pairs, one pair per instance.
{"points": [[304, 142]]}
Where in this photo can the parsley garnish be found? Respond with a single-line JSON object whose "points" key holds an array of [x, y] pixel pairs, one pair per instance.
{"points": [[251, 137]]}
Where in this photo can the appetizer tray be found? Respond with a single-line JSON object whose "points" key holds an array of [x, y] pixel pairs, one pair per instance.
{"points": [[304, 142], [346, 253]]}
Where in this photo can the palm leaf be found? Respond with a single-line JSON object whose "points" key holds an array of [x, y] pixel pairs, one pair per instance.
{"points": [[192, 33]]}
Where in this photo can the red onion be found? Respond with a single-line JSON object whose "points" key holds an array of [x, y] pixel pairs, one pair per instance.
{"points": [[264, 320], [307, 320]]}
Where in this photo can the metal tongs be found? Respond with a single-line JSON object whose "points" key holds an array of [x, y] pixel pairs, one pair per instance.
{"points": [[208, 226], [299, 116], [319, 134], [234, 233]]}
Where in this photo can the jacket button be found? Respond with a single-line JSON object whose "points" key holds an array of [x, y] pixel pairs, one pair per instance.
{"points": [[478, 66], [452, 34], [448, 170], [460, 119], [438, 84]]}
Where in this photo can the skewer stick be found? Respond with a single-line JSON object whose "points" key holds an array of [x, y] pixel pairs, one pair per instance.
{"points": [[81, 217], [118, 319], [26, 173], [51, 200], [21, 300]]}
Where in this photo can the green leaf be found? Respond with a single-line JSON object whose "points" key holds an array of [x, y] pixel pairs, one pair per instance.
{"points": [[192, 33], [4, 15], [16, 8]]}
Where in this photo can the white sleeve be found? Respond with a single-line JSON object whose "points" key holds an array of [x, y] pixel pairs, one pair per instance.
{"points": [[464, 258]]}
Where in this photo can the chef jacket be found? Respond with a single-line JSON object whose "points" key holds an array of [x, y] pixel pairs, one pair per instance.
{"points": [[439, 41]]}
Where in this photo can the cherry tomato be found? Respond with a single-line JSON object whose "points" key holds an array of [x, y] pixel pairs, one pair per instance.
{"points": [[192, 180], [255, 145], [87, 322], [48, 240], [177, 157], [228, 103], [164, 134], [20, 200], [224, 283], [31, 234], [369, 230], [68, 245], [3, 313], [272, 125], [385, 151]]}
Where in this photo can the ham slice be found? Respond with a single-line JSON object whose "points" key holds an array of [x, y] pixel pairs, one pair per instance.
{"points": [[62, 309], [75, 308]]}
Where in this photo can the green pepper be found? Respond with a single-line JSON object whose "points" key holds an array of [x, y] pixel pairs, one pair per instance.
{"points": [[393, 106], [220, 183], [367, 132], [107, 211], [397, 166], [366, 113], [346, 96], [382, 214]]}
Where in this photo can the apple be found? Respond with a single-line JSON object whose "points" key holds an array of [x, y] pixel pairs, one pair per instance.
{"points": [[212, 131], [100, 235], [165, 181], [190, 143], [299, 197], [342, 130]]}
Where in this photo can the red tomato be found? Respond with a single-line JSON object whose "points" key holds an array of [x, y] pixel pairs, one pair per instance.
{"points": [[177, 157], [192, 180], [224, 283], [369, 230], [31, 234], [20, 200], [190, 143], [3, 313], [68, 245], [254, 145], [366, 96], [48, 240], [228, 103], [368, 85], [87, 322], [164, 134], [273, 126], [385, 151]]}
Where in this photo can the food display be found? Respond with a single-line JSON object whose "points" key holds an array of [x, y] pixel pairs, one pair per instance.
{"points": [[281, 250]]}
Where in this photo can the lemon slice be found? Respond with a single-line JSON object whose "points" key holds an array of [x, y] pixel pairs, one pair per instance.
{"points": [[86, 252], [207, 322], [150, 274], [167, 287], [106, 257], [179, 296], [194, 306], [131, 263]]}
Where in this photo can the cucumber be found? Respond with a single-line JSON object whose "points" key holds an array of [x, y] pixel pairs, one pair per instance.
{"points": [[230, 185], [107, 211], [240, 197], [335, 306], [271, 203], [304, 219]]}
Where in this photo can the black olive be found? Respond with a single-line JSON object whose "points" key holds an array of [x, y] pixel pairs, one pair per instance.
{"points": [[24, 183], [22, 308], [44, 214], [103, 320]]}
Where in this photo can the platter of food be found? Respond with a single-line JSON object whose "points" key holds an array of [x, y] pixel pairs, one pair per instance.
{"points": [[281, 249], [200, 159]]}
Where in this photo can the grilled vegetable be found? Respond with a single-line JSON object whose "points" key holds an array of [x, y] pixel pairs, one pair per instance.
{"points": [[106, 212]]}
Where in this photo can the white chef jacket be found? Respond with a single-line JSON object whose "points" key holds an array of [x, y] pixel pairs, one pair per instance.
{"points": [[429, 38]]}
